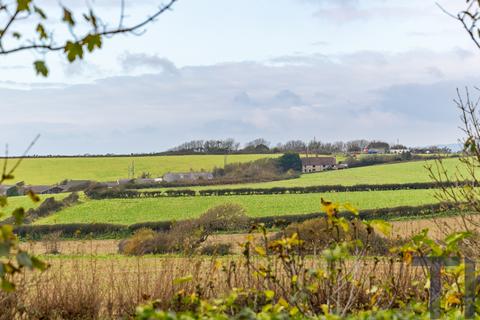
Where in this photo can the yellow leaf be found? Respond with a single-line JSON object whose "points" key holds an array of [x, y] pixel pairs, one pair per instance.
{"points": [[283, 303], [183, 279], [351, 208], [269, 294], [260, 251], [381, 226]]}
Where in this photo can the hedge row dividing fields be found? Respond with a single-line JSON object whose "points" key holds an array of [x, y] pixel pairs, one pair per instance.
{"points": [[132, 194], [72, 230]]}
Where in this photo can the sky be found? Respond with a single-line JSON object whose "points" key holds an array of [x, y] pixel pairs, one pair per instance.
{"points": [[278, 69]]}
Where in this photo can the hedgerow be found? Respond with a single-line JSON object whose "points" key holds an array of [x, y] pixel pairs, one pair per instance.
{"points": [[99, 193], [115, 230]]}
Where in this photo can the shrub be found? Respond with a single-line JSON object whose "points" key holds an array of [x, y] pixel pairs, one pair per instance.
{"points": [[186, 236], [319, 234], [225, 217], [135, 245]]}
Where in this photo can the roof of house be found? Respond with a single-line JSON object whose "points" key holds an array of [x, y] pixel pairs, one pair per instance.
{"points": [[319, 161], [38, 189]]}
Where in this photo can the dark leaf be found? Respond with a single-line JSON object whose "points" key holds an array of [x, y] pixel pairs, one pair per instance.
{"points": [[73, 50], [68, 17], [92, 41], [41, 31], [33, 196], [40, 12], [18, 214], [23, 5]]}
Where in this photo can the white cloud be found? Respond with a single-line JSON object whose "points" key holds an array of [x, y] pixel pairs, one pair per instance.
{"points": [[345, 96]]}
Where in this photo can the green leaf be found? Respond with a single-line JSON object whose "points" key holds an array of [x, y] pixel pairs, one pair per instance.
{"points": [[4, 249], [24, 259], [39, 264], [7, 286], [41, 68], [183, 279], [18, 214], [41, 31], [23, 5], [17, 35], [68, 17], [92, 41], [73, 50], [3, 201], [40, 12]]}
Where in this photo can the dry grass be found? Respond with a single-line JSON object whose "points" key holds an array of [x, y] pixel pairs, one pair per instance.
{"points": [[438, 227], [100, 288]]}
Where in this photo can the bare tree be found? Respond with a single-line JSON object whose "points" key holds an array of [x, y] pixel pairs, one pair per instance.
{"points": [[86, 30], [462, 190], [468, 18]]}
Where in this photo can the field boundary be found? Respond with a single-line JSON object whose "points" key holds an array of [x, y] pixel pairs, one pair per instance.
{"points": [[107, 230], [105, 193]]}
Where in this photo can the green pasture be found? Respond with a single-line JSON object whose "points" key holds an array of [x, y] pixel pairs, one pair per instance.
{"points": [[53, 170], [26, 203], [129, 211], [404, 172]]}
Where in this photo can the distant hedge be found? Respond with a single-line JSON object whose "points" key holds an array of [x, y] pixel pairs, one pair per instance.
{"points": [[82, 230], [104, 193]]}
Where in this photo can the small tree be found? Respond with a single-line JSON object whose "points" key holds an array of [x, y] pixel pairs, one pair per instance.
{"points": [[290, 161]]}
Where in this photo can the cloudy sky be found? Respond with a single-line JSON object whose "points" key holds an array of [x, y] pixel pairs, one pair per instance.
{"points": [[278, 69]]}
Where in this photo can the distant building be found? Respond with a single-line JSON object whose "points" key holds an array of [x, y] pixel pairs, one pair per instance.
{"points": [[399, 151], [41, 189], [188, 176], [317, 164], [8, 191]]}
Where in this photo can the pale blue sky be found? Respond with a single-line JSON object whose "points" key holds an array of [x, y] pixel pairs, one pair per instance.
{"points": [[280, 69]]}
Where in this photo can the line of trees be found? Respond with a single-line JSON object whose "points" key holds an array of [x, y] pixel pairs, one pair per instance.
{"points": [[314, 147]]}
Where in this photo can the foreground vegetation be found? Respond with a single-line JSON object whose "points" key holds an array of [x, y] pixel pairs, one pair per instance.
{"points": [[129, 211]]}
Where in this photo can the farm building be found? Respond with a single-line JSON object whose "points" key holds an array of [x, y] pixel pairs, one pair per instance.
{"points": [[41, 189], [8, 191], [316, 164], [189, 176]]}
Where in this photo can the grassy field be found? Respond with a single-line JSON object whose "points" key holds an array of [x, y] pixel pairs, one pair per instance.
{"points": [[27, 203], [53, 170], [405, 172], [129, 211]]}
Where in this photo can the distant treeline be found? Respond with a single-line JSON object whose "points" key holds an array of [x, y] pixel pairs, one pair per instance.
{"points": [[112, 193], [82, 230], [262, 146]]}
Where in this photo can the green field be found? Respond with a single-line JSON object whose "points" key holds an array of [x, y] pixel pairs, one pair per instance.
{"points": [[129, 211], [53, 170], [26, 203], [405, 172]]}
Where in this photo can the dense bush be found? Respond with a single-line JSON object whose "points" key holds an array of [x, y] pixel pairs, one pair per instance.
{"points": [[318, 234], [186, 236]]}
